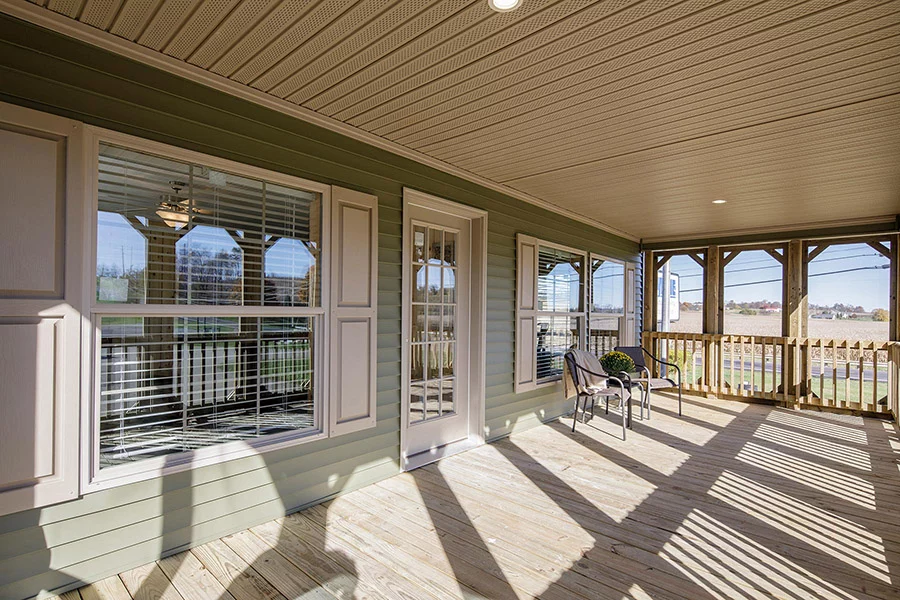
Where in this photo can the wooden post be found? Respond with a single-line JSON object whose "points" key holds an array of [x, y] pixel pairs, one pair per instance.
{"points": [[649, 291], [894, 332], [795, 304], [794, 312], [712, 291], [894, 310], [712, 298]]}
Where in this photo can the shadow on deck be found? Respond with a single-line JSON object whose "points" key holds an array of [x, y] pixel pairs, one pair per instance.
{"points": [[733, 501]]}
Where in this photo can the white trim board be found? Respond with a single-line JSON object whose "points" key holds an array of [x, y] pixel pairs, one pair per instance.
{"points": [[477, 320], [67, 26]]}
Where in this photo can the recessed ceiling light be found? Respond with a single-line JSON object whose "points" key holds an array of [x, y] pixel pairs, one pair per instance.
{"points": [[504, 5], [719, 201]]}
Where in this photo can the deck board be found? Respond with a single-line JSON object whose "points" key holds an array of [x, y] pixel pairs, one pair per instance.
{"points": [[732, 501]]}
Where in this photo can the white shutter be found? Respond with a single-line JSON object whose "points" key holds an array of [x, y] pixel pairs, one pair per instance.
{"points": [[629, 324], [526, 313], [40, 291], [354, 291]]}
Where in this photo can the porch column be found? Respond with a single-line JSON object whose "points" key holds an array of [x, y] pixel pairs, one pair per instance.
{"points": [[712, 292], [712, 324], [894, 310], [794, 311], [795, 304]]}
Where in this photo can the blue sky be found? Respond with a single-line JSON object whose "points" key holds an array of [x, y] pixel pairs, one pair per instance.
{"points": [[863, 285]]}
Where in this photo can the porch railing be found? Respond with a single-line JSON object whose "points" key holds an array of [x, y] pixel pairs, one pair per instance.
{"points": [[837, 373]]}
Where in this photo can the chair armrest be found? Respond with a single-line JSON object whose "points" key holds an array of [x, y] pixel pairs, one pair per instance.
{"points": [[663, 362]]}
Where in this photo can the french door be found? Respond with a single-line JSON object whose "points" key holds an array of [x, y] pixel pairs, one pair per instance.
{"points": [[437, 344]]}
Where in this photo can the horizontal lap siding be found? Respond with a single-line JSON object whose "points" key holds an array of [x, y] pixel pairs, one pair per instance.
{"points": [[109, 531]]}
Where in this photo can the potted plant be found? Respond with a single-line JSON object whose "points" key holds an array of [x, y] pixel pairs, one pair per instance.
{"points": [[616, 362]]}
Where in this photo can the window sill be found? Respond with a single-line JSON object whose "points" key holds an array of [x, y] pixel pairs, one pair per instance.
{"points": [[158, 467]]}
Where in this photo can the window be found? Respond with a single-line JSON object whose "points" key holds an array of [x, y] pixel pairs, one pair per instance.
{"points": [[209, 309], [566, 299], [607, 304], [560, 316]]}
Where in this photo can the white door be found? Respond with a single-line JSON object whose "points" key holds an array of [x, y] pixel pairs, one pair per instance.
{"points": [[438, 301]]}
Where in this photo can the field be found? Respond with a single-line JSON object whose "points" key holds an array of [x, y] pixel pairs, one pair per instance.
{"points": [[690, 322]]}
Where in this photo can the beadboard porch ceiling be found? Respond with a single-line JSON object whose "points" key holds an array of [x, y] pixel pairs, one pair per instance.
{"points": [[634, 113]]}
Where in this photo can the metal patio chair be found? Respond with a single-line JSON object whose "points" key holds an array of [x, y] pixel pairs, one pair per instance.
{"points": [[639, 355], [591, 381]]}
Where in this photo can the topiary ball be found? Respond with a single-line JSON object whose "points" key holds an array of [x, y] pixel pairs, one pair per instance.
{"points": [[616, 362]]}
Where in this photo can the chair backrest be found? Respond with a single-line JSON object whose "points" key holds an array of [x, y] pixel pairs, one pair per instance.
{"points": [[585, 360], [635, 353]]}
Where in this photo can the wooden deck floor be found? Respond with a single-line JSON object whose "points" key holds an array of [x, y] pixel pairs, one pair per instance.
{"points": [[732, 501]]}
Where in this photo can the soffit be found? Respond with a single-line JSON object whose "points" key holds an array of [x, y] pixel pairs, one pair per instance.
{"points": [[634, 113]]}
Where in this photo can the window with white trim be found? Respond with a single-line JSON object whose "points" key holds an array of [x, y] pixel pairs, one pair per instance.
{"points": [[607, 304], [566, 298], [208, 308]]}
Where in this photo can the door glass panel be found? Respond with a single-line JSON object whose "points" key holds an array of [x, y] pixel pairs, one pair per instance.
{"points": [[449, 291], [419, 275], [448, 405], [434, 361], [433, 400], [433, 323], [449, 323], [418, 244], [434, 283], [450, 248], [416, 401], [417, 359], [435, 246], [448, 358], [417, 323]]}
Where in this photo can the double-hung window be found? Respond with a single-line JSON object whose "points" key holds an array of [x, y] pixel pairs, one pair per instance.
{"points": [[207, 310], [567, 298]]}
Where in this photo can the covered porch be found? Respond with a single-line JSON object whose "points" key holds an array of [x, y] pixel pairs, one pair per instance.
{"points": [[734, 500]]}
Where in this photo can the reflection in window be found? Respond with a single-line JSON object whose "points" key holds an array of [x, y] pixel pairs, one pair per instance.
{"points": [[433, 324], [121, 260], [173, 233], [209, 237], [607, 287], [207, 385], [290, 273], [209, 264], [559, 280], [555, 335]]}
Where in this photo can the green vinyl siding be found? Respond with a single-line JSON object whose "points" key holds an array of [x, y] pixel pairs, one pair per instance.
{"points": [[109, 531]]}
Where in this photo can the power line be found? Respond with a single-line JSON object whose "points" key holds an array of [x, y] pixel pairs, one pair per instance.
{"points": [[810, 276], [777, 266]]}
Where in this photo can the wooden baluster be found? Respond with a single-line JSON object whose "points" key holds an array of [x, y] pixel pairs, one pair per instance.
{"points": [[846, 345], [821, 371], [875, 352], [834, 365]]}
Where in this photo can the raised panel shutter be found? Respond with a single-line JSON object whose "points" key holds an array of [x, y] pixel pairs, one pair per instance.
{"points": [[629, 325], [354, 292], [526, 312], [40, 294]]}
